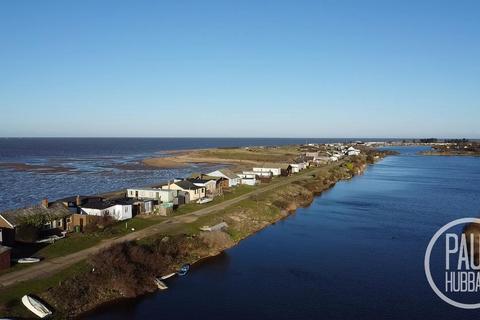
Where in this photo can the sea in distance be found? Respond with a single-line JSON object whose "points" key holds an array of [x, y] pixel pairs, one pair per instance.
{"points": [[32, 169]]}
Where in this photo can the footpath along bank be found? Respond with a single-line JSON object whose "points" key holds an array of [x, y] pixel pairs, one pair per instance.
{"points": [[125, 268]]}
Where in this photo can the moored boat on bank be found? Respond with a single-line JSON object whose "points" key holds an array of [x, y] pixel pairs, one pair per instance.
{"points": [[183, 270], [35, 306], [28, 260], [167, 276], [160, 284]]}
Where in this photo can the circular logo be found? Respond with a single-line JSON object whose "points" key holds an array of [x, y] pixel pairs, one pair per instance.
{"points": [[462, 276]]}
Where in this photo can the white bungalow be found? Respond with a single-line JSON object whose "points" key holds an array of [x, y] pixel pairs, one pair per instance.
{"points": [[297, 167], [248, 179], [195, 192], [251, 174], [353, 152], [117, 210], [313, 155], [276, 171], [233, 179], [209, 185], [163, 195]]}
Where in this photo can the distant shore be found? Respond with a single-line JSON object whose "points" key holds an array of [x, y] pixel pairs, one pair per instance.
{"points": [[219, 156]]}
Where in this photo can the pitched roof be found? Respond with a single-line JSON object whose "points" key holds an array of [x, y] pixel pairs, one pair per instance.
{"points": [[200, 180], [228, 173], [55, 211], [107, 204], [82, 199], [186, 185]]}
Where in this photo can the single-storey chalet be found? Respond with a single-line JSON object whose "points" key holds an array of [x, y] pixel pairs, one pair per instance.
{"points": [[248, 179], [275, 169], [45, 218], [118, 210], [162, 195], [352, 151], [209, 185], [233, 179], [195, 192], [220, 182]]}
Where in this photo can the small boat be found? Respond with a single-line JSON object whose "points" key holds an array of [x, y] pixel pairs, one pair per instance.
{"points": [[28, 260], [38, 308], [167, 276], [204, 200], [183, 270], [160, 284]]}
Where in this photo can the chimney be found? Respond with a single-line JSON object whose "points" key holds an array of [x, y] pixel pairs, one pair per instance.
{"points": [[77, 201], [169, 184], [45, 203]]}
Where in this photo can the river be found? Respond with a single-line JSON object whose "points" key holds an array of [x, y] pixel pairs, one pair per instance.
{"points": [[355, 253]]}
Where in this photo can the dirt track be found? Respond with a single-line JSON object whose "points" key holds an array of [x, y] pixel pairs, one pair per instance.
{"points": [[49, 267]]}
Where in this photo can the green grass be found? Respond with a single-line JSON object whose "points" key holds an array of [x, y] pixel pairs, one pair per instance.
{"points": [[79, 241], [256, 154], [10, 298], [72, 243], [230, 194]]}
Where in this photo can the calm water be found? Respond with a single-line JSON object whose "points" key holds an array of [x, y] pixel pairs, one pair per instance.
{"points": [[92, 165], [355, 253]]}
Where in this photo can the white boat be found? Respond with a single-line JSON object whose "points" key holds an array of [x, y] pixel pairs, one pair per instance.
{"points": [[160, 284], [168, 276], [28, 260], [204, 200], [36, 306]]}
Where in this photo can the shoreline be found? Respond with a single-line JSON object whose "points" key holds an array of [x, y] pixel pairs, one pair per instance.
{"points": [[280, 201], [290, 209], [448, 154]]}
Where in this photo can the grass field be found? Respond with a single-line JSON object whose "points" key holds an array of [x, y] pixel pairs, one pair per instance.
{"points": [[10, 297], [280, 154]]}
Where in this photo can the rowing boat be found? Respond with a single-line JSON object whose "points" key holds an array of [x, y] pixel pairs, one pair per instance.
{"points": [[160, 284], [38, 308]]}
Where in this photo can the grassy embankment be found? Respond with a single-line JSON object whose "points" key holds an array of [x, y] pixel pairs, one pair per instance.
{"points": [[153, 256], [136, 263]]}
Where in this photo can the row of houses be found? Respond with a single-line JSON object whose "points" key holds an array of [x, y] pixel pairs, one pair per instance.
{"points": [[75, 213]]}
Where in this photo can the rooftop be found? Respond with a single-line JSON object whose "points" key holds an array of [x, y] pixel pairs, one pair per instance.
{"points": [[54, 211], [186, 185]]}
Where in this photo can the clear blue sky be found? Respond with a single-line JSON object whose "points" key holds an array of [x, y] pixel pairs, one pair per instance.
{"points": [[240, 68]]}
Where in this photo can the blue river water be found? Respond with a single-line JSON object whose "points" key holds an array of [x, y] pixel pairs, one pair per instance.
{"points": [[355, 253]]}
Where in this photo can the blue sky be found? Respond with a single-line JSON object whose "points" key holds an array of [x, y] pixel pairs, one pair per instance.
{"points": [[240, 68]]}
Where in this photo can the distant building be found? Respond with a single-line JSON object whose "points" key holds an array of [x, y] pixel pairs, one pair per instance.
{"points": [[314, 155], [251, 174], [209, 185], [352, 151], [247, 179], [233, 179], [221, 183], [118, 210], [163, 195], [274, 170], [12, 221], [195, 192], [73, 203]]}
